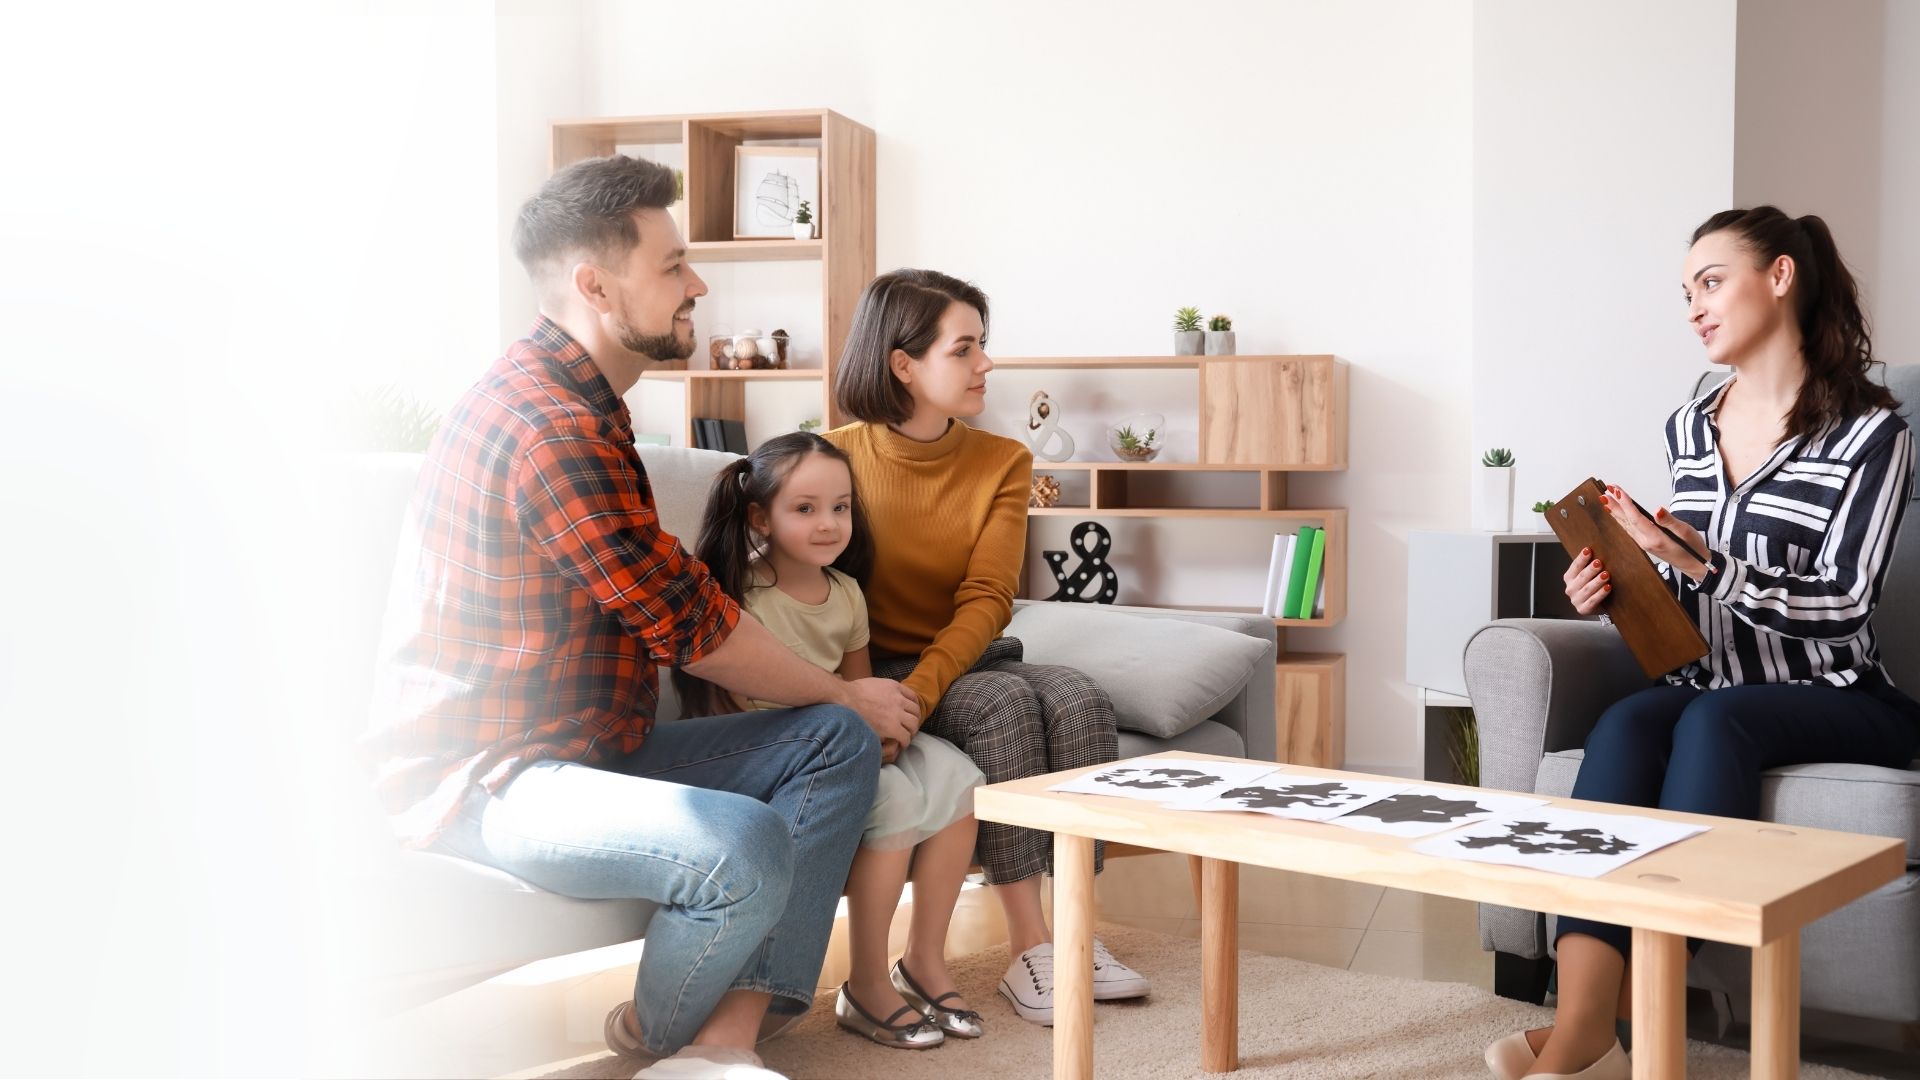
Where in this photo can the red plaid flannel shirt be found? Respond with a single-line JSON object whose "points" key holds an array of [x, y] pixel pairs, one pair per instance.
{"points": [[542, 592]]}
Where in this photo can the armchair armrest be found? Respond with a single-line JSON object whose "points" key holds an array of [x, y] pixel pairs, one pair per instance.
{"points": [[1251, 711], [1538, 686]]}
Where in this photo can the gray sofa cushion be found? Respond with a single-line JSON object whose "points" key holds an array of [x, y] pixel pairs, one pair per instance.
{"points": [[1163, 675], [681, 478], [1845, 798], [1205, 737]]}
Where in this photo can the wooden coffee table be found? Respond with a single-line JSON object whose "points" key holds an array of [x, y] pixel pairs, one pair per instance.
{"points": [[1743, 882]]}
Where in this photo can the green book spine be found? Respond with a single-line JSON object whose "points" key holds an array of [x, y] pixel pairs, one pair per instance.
{"points": [[1313, 574], [1297, 579]]}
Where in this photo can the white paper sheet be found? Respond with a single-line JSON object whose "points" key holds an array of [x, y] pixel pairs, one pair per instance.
{"points": [[1572, 842], [1297, 796], [1423, 811], [1166, 780]]}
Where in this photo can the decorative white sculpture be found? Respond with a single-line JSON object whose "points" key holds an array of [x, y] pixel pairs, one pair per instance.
{"points": [[1043, 429]]}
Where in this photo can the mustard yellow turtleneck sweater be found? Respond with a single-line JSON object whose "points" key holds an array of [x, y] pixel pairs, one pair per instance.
{"points": [[949, 521]]}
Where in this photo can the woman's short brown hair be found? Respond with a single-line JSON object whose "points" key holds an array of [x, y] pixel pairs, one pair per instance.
{"points": [[899, 310]]}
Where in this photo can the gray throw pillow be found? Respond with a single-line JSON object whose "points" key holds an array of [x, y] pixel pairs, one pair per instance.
{"points": [[1164, 675]]}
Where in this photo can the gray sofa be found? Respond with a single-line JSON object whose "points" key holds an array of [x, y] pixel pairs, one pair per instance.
{"points": [[444, 923], [1538, 686]]}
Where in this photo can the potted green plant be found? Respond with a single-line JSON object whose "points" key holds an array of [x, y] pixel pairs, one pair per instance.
{"points": [[678, 211], [386, 420], [1187, 335], [1136, 438], [803, 221], [1219, 336], [1495, 506], [1541, 509], [1463, 746]]}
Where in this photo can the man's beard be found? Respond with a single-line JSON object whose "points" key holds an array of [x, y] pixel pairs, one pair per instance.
{"points": [[662, 347]]}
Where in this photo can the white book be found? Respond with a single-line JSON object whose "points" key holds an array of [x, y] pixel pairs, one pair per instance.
{"points": [[1320, 595], [1273, 572], [1278, 571]]}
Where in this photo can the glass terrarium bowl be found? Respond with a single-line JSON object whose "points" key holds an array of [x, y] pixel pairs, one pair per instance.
{"points": [[1137, 438]]}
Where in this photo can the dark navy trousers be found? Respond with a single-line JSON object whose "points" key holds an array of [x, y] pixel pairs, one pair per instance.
{"points": [[1702, 751]]}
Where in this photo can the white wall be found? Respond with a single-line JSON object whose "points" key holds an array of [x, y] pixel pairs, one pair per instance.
{"points": [[540, 78], [1306, 173], [217, 217], [1828, 122], [1808, 122], [1602, 137], [1896, 326]]}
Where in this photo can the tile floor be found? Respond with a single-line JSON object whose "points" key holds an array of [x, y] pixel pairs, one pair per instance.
{"points": [[1337, 924], [1333, 923]]}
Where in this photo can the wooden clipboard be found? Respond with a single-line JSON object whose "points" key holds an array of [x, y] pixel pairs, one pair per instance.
{"points": [[1643, 607]]}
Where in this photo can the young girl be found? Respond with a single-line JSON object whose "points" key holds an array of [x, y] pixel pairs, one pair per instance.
{"points": [[784, 535]]}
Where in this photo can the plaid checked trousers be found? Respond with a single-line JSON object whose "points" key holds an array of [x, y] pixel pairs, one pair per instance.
{"points": [[1014, 720]]}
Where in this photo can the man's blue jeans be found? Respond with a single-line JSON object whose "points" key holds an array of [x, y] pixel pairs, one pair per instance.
{"points": [[741, 827]]}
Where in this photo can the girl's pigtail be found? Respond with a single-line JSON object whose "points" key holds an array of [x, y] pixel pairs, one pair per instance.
{"points": [[726, 546]]}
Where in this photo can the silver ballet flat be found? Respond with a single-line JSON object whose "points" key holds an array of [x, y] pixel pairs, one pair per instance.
{"points": [[918, 1033], [960, 1023]]}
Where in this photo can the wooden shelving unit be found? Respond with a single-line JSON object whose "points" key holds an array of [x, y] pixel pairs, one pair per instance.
{"points": [[1264, 417], [844, 249]]}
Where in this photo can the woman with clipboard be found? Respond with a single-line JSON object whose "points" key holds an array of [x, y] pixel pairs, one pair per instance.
{"points": [[1789, 482]]}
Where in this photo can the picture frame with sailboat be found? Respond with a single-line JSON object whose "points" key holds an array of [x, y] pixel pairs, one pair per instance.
{"points": [[769, 183]]}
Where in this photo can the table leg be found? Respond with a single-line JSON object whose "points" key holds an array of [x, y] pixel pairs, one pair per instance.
{"points": [[1659, 1005], [1072, 957], [1776, 1009], [1219, 965]]}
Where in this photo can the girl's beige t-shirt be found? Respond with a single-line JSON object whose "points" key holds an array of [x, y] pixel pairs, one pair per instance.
{"points": [[821, 634]]}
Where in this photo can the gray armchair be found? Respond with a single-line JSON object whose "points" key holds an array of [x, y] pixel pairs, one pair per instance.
{"points": [[1538, 686]]}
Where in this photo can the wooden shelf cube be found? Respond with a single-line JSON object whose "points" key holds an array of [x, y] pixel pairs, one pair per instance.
{"points": [[1310, 709]]}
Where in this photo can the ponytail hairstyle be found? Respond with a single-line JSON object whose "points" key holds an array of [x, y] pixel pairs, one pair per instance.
{"points": [[1833, 330], [730, 547]]}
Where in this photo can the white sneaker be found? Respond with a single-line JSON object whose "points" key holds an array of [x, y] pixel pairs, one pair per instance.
{"points": [[709, 1063], [1113, 980], [1029, 984]]}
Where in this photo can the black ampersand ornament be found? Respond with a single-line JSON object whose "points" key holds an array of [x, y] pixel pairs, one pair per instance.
{"points": [[1080, 586]]}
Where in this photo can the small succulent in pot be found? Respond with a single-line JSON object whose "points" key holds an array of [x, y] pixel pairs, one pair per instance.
{"points": [[1498, 458], [1219, 336], [1188, 338], [1137, 438]]}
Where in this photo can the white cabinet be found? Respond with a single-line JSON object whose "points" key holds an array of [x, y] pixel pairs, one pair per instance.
{"points": [[1457, 582]]}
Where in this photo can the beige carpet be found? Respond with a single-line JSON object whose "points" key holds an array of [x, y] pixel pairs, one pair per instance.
{"points": [[1297, 1020]]}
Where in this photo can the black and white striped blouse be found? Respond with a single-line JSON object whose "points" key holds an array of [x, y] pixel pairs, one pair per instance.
{"points": [[1799, 549]]}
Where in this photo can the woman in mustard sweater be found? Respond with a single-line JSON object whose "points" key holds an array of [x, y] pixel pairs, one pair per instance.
{"points": [[947, 505]]}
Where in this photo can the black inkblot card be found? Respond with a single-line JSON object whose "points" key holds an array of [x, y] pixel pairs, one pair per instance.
{"points": [[1423, 811], [1166, 780], [1299, 796], [1576, 842]]}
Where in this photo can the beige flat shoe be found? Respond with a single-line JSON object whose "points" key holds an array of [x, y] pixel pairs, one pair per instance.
{"points": [[1511, 1057], [1613, 1065]]}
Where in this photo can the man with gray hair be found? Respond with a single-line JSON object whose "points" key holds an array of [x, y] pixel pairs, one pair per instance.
{"points": [[515, 721]]}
